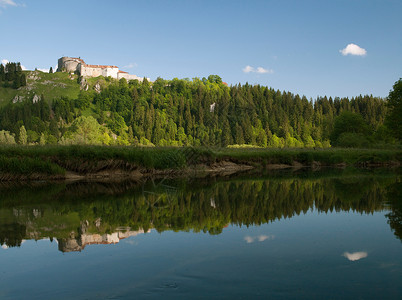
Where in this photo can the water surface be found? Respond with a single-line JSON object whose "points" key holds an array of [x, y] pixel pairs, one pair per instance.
{"points": [[334, 234]]}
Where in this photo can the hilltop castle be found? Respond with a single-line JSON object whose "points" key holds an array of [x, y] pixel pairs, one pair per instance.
{"points": [[74, 64]]}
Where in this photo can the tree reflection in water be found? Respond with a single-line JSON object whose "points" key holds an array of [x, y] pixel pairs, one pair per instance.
{"points": [[394, 194], [78, 214]]}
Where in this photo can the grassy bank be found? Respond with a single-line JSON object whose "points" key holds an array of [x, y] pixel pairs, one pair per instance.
{"points": [[55, 161], [325, 157]]}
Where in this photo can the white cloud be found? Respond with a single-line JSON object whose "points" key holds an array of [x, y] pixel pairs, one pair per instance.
{"points": [[353, 49], [248, 69], [355, 255], [130, 66], [5, 3], [45, 70], [259, 70], [23, 68]]}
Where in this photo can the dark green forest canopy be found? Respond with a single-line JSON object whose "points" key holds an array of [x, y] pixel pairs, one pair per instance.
{"points": [[191, 112], [394, 117], [11, 75]]}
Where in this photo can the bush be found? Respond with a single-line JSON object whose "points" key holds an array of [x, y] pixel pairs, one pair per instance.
{"points": [[352, 140]]}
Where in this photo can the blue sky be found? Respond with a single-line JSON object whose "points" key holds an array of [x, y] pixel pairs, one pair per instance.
{"points": [[287, 45]]}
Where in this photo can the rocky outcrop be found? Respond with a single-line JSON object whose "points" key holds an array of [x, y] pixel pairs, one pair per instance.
{"points": [[33, 76], [83, 84], [35, 99], [97, 88], [18, 99]]}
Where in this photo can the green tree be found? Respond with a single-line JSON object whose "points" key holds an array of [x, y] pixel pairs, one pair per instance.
{"points": [[214, 79], [2, 72], [86, 130], [23, 137], [51, 70], [394, 116], [33, 136], [6, 138], [42, 139], [350, 126]]}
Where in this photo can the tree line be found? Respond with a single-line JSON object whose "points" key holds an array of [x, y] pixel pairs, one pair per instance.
{"points": [[11, 75], [198, 112]]}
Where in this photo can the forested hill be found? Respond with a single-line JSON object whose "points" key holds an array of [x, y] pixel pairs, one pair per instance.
{"points": [[183, 112]]}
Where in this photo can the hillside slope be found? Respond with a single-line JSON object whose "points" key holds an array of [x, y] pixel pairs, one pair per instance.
{"points": [[51, 85]]}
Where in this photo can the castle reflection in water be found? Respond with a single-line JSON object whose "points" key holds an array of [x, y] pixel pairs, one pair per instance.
{"points": [[82, 214], [79, 243]]}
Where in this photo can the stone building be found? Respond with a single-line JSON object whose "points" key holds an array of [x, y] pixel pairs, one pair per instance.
{"points": [[74, 64]]}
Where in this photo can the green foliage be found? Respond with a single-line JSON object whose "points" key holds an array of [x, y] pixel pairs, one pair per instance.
{"points": [[352, 140], [350, 130], [23, 137], [394, 116], [87, 131], [28, 166], [84, 100], [6, 138], [33, 136], [42, 139], [190, 113], [116, 124], [11, 75]]}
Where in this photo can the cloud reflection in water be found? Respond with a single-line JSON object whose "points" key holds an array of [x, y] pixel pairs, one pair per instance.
{"points": [[355, 255], [260, 238]]}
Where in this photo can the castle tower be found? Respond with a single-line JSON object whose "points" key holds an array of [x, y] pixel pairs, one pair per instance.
{"points": [[69, 64]]}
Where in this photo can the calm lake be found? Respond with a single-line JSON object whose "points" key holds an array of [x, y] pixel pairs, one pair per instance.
{"points": [[332, 234]]}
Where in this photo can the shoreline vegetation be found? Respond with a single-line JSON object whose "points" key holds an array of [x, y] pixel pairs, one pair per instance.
{"points": [[136, 163]]}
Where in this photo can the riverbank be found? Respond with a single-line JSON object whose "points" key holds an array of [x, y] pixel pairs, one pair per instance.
{"points": [[79, 162]]}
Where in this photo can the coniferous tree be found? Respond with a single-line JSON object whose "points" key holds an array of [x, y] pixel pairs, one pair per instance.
{"points": [[394, 117], [23, 138]]}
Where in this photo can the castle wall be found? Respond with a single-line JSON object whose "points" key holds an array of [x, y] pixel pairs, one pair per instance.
{"points": [[72, 64], [128, 77], [90, 72], [110, 72], [95, 71]]}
